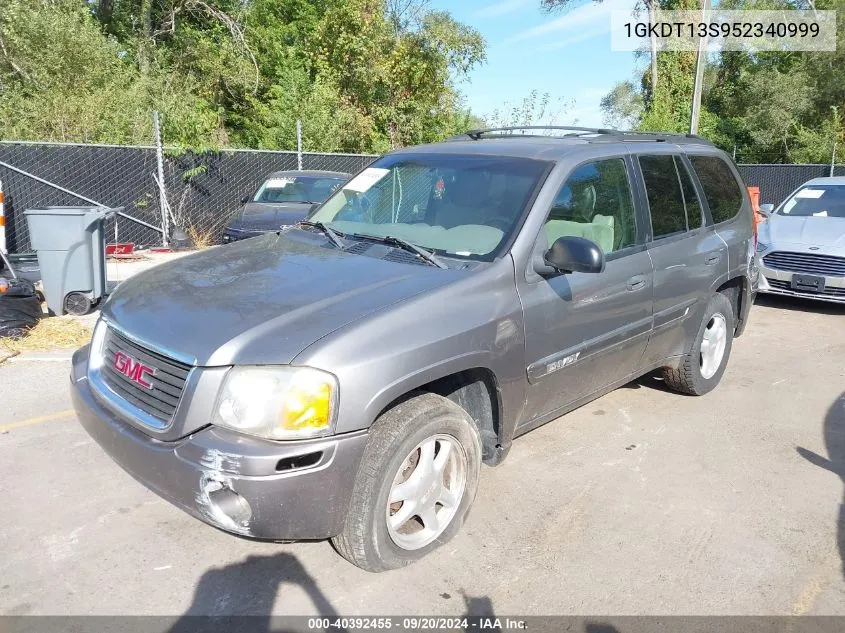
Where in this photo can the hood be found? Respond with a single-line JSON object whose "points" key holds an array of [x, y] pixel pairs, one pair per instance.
{"points": [[266, 216], [806, 230], [260, 301]]}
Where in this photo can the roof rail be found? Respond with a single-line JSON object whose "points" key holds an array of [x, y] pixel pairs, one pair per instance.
{"points": [[605, 135], [664, 137], [477, 134]]}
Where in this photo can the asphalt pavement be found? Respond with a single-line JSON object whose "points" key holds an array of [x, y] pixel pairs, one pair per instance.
{"points": [[642, 502]]}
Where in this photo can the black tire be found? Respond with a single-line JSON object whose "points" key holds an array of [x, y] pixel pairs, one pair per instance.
{"points": [[687, 377], [365, 540], [77, 303]]}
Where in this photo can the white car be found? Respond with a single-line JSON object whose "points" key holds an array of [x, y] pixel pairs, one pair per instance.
{"points": [[801, 245]]}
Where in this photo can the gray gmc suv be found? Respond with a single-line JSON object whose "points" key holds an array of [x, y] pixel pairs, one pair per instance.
{"points": [[347, 377]]}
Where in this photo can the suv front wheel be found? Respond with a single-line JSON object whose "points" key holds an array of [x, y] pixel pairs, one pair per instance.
{"points": [[415, 485], [702, 368]]}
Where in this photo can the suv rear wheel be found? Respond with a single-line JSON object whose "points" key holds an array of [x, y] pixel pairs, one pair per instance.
{"points": [[416, 482], [702, 368]]}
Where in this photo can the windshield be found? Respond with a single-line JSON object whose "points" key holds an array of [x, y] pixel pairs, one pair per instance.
{"points": [[457, 205], [826, 201], [297, 189]]}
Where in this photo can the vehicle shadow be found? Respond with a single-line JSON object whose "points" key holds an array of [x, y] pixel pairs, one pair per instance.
{"points": [[652, 380], [479, 614], [248, 588], [834, 439], [799, 305]]}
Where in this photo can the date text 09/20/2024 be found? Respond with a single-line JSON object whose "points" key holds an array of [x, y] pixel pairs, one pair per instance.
{"points": [[418, 623]]}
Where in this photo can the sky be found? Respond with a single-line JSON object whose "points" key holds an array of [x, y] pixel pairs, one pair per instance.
{"points": [[566, 54]]}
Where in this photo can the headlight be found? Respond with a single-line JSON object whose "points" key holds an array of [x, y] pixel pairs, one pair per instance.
{"points": [[762, 247], [277, 403]]}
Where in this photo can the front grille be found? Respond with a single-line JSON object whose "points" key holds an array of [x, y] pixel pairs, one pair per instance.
{"points": [[168, 381], [786, 285], [810, 263]]}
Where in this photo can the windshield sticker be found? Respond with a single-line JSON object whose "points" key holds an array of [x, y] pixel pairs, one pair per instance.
{"points": [[278, 183], [820, 214], [810, 193], [366, 179]]}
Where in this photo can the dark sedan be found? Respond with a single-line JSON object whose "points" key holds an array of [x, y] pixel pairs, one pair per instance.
{"points": [[285, 198]]}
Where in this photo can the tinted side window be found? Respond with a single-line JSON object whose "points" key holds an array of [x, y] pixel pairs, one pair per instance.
{"points": [[693, 204], [665, 199], [724, 197], [595, 203]]}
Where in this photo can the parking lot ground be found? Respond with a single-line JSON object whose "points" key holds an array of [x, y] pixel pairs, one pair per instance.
{"points": [[642, 502]]}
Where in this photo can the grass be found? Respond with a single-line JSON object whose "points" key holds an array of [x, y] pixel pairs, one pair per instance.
{"points": [[205, 237], [50, 333], [202, 238]]}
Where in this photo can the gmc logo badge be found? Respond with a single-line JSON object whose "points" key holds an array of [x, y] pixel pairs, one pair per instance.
{"points": [[133, 369]]}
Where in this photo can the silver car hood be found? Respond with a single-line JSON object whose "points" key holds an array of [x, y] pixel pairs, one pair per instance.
{"points": [[260, 301], [805, 230]]}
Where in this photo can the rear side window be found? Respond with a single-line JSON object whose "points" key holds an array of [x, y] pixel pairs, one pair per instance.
{"points": [[724, 197], [665, 197]]}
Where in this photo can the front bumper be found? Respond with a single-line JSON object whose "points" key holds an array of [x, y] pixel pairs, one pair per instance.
{"points": [[244, 485], [779, 282]]}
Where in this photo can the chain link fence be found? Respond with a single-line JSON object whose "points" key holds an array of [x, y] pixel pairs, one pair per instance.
{"points": [[776, 182], [204, 189]]}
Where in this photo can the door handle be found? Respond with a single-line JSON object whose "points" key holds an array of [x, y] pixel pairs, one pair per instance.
{"points": [[635, 283], [712, 258]]}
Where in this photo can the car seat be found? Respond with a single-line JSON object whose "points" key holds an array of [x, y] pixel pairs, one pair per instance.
{"points": [[600, 230], [466, 201]]}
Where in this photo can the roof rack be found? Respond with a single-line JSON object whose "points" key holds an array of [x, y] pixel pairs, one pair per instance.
{"points": [[653, 137], [477, 134], [602, 135]]}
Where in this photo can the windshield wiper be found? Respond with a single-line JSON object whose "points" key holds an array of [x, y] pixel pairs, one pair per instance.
{"points": [[334, 236], [398, 242]]}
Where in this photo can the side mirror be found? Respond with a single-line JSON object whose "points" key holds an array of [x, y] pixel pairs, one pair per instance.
{"points": [[767, 209], [245, 199], [575, 255]]}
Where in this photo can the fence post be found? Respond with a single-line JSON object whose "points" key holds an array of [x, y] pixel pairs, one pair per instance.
{"points": [[299, 145], [165, 228], [2, 219], [832, 160]]}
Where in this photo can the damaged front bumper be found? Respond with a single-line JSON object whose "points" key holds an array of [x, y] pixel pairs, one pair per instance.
{"points": [[258, 488]]}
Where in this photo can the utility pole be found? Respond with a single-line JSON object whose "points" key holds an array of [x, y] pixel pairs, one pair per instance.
{"points": [[832, 163], [299, 144], [701, 58]]}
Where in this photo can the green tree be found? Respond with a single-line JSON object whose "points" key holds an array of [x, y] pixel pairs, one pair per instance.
{"points": [[622, 106], [61, 79], [362, 75], [533, 109]]}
